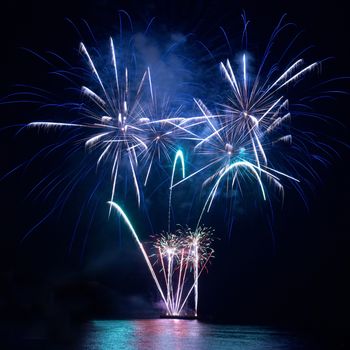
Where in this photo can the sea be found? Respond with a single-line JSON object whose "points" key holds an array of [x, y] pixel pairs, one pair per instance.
{"points": [[169, 334], [173, 334]]}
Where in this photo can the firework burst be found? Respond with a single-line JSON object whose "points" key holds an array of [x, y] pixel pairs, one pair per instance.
{"points": [[125, 123], [249, 121]]}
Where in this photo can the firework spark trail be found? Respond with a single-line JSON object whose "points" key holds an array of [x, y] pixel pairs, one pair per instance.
{"points": [[179, 279], [193, 285], [182, 283], [199, 242], [163, 267], [196, 262], [132, 230], [226, 170], [179, 155], [170, 280]]}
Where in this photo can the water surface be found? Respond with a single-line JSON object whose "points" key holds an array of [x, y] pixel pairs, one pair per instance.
{"points": [[186, 334]]}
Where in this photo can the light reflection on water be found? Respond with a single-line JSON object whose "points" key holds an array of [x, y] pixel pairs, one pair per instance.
{"points": [[184, 334]]}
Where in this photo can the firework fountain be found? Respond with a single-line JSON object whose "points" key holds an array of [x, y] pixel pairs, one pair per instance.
{"points": [[180, 254], [176, 254]]}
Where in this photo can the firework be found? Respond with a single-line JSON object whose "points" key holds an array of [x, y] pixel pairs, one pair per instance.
{"points": [[131, 127], [179, 255], [140, 245], [179, 156], [171, 253], [125, 123], [113, 119], [247, 125], [199, 242], [176, 254]]}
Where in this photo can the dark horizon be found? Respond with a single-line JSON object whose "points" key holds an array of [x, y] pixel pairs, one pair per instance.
{"points": [[286, 267]]}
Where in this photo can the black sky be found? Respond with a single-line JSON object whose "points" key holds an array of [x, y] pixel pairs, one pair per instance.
{"points": [[299, 277]]}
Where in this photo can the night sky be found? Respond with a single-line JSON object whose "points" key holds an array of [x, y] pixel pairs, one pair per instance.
{"points": [[289, 267]]}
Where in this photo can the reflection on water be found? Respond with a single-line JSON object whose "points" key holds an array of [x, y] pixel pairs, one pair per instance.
{"points": [[184, 334]]}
